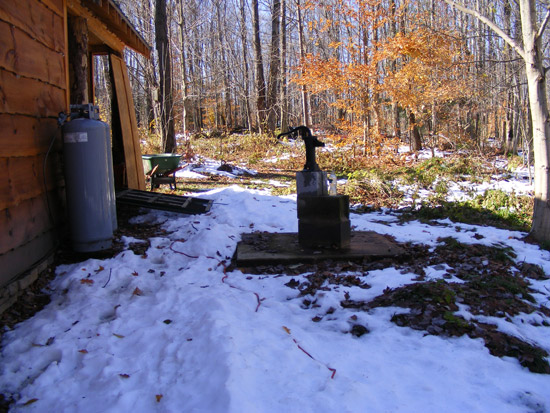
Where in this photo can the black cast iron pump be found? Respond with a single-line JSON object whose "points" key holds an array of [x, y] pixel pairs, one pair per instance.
{"points": [[311, 143]]}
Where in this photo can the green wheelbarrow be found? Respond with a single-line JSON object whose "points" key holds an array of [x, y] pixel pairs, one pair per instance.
{"points": [[161, 169]]}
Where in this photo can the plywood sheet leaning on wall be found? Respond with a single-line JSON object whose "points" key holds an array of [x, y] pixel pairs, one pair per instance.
{"points": [[128, 123]]}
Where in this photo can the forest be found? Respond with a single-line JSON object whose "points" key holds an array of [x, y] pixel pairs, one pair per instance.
{"points": [[379, 71], [369, 75]]}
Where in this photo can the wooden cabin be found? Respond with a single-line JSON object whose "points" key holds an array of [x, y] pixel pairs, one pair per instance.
{"points": [[46, 50]]}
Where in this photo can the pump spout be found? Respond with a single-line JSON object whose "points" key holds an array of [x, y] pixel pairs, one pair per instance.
{"points": [[311, 143]]}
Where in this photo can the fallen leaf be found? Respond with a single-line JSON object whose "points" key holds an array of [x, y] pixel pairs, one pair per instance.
{"points": [[137, 291], [118, 335], [29, 402], [83, 351], [158, 397], [99, 269], [86, 281], [124, 376], [135, 274], [167, 321], [50, 341], [286, 329]]}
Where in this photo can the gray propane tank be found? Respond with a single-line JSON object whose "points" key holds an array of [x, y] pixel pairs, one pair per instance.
{"points": [[89, 181]]}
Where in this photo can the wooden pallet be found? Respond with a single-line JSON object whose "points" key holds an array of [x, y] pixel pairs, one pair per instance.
{"points": [[165, 202]]}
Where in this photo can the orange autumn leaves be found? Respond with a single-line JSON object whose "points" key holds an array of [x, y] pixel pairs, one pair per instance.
{"points": [[429, 70], [378, 61]]}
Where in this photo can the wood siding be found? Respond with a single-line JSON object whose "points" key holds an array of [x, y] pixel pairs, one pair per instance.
{"points": [[33, 91]]}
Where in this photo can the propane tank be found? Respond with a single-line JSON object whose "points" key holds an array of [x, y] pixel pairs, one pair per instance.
{"points": [[89, 181]]}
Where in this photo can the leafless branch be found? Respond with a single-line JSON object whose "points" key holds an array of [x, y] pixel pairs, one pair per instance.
{"points": [[492, 25]]}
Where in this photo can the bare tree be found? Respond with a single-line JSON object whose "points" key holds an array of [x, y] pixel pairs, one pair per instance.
{"points": [[259, 69], [306, 117], [532, 54], [246, 75], [274, 66], [283, 86]]}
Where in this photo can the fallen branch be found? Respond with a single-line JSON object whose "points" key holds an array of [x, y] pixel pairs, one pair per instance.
{"points": [[180, 252], [287, 330], [109, 279]]}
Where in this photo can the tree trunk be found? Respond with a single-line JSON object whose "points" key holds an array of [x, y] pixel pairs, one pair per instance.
{"points": [[259, 67], [283, 87], [78, 58], [228, 116], [532, 55], [416, 141], [274, 67], [184, 82], [536, 83], [245, 66], [305, 98], [165, 77]]}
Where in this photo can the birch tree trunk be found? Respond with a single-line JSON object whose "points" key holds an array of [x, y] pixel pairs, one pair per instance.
{"points": [[538, 102]]}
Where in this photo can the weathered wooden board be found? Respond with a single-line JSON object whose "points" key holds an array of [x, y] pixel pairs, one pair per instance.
{"points": [[55, 5], [95, 26], [42, 23], [27, 136], [21, 54], [23, 179], [283, 248], [130, 136], [26, 256], [21, 95], [24, 222]]}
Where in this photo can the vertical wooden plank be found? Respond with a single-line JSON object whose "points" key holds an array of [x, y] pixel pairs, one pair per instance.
{"points": [[66, 54], [130, 137]]}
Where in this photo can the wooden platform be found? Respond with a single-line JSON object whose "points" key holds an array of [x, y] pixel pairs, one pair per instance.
{"points": [[166, 202], [283, 248]]}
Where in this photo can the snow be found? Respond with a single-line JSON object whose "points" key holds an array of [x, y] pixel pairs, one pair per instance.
{"points": [[196, 170], [173, 331]]}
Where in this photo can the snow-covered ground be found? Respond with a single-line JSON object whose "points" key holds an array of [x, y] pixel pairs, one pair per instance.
{"points": [[200, 167], [173, 331]]}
